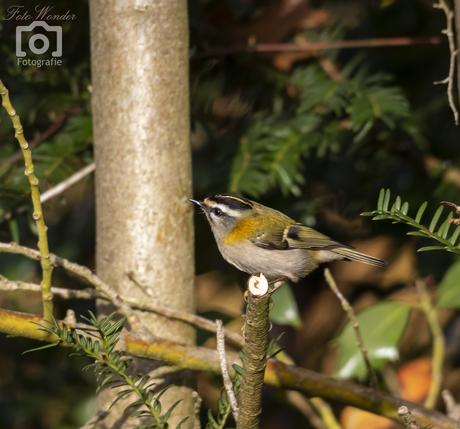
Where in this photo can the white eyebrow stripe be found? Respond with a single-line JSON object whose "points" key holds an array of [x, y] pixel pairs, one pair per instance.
{"points": [[227, 210]]}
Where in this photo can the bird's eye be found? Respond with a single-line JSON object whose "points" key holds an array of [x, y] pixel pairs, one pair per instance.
{"points": [[218, 212]]}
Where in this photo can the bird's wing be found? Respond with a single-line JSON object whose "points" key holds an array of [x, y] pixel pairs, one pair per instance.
{"points": [[270, 241], [299, 236]]}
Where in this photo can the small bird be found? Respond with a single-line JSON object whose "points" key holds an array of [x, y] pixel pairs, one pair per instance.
{"points": [[255, 238]]}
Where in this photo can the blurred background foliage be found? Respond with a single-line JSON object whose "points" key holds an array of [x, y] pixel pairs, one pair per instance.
{"points": [[314, 134]]}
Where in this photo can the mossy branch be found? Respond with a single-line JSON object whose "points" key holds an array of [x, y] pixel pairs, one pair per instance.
{"points": [[255, 352], [277, 374], [42, 229]]}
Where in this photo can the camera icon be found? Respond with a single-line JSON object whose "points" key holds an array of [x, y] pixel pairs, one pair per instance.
{"points": [[46, 43]]}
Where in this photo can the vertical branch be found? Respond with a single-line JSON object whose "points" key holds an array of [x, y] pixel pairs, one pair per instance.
{"points": [[449, 32], [354, 322], [255, 352], [42, 229], [223, 364], [438, 343]]}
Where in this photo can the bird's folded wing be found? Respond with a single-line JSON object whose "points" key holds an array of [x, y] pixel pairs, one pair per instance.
{"points": [[299, 236]]}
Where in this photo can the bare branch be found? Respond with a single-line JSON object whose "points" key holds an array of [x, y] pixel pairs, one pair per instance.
{"points": [[317, 46], [86, 273], [449, 32], [67, 183], [193, 319], [223, 364], [354, 323]]}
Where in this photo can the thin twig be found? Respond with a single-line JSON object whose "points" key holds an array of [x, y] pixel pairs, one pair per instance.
{"points": [[326, 413], [86, 273], [303, 405], [223, 364], [452, 408], [317, 46], [193, 319], [98, 417], [47, 267], [354, 323], [449, 32], [40, 137], [431, 314], [67, 183], [407, 418]]}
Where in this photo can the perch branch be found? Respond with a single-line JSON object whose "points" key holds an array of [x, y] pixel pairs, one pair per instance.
{"points": [[42, 229], [407, 418], [255, 352], [354, 323]]}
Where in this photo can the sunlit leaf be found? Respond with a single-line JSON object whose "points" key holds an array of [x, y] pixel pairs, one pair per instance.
{"points": [[382, 326]]}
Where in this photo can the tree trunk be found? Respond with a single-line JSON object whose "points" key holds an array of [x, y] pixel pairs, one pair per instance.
{"points": [[143, 169]]}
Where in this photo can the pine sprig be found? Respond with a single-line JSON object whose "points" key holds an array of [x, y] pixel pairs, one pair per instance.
{"points": [[110, 366], [398, 213]]}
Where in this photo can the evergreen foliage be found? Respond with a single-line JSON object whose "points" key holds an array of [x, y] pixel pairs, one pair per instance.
{"points": [[110, 368]]}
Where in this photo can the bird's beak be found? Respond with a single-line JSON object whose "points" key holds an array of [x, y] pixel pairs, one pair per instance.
{"points": [[199, 203]]}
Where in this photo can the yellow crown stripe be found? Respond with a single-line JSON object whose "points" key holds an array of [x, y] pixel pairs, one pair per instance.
{"points": [[235, 198]]}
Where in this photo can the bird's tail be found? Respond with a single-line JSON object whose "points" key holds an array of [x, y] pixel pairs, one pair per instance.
{"points": [[360, 257]]}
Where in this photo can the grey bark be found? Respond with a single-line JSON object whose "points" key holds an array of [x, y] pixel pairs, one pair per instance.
{"points": [[139, 53]]}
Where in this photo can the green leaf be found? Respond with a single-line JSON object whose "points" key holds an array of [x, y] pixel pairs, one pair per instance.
{"points": [[380, 201], [446, 228], [367, 214], [14, 230], [420, 212], [386, 201], [435, 219], [405, 208], [398, 203], [417, 233], [427, 248], [55, 343], [382, 326], [285, 311], [455, 235], [211, 419], [181, 422], [168, 414], [449, 288], [381, 217]]}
